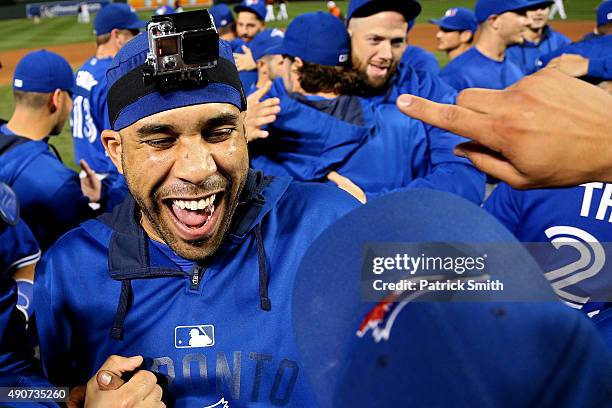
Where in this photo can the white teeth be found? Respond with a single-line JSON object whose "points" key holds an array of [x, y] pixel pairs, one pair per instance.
{"points": [[195, 205]]}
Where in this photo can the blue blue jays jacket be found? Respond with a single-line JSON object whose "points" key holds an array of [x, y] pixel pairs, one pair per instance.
{"points": [[50, 193], [419, 59], [525, 55], [472, 69], [597, 49], [18, 368], [581, 273], [375, 146], [129, 298]]}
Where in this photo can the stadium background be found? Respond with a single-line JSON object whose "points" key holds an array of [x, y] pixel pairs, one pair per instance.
{"points": [[76, 42]]}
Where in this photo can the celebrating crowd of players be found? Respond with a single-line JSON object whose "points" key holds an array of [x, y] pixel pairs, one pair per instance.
{"points": [[323, 109]]}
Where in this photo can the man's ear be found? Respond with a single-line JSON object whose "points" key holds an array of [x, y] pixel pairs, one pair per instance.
{"points": [[111, 141], [55, 101], [493, 22], [465, 36], [296, 65]]}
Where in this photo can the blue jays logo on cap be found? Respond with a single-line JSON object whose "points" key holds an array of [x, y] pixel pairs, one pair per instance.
{"points": [[452, 12]]}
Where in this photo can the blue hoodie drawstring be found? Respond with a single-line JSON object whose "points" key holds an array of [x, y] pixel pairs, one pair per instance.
{"points": [[125, 301], [264, 300]]}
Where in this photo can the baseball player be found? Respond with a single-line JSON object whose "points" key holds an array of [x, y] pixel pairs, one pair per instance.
{"points": [[485, 65], [19, 253], [269, 66], [417, 57], [200, 242], [114, 25], [558, 7], [52, 196], [250, 21], [323, 133], [540, 38], [580, 272], [282, 10], [456, 30], [224, 21]]}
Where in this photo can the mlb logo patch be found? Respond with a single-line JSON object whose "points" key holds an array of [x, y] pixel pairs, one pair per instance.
{"points": [[194, 336], [343, 58], [451, 12], [18, 83]]}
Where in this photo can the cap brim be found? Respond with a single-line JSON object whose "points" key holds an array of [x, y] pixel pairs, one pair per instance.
{"points": [[442, 24], [136, 25], [409, 9]]}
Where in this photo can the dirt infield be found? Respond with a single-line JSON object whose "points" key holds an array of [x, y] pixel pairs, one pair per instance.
{"points": [[422, 35]]}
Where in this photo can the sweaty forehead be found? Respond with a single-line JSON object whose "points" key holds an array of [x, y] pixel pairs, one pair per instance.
{"points": [[188, 117], [385, 19]]}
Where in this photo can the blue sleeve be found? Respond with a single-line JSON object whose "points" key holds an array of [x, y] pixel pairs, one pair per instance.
{"points": [[18, 248], [504, 204], [601, 68], [447, 172], [452, 79], [52, 324]]}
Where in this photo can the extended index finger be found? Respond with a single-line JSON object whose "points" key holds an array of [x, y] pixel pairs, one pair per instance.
{"points": [[457, 119]]}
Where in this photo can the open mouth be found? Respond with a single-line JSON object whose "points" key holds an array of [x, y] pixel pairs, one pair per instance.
{"points": [[379, 70], [195, 218]]}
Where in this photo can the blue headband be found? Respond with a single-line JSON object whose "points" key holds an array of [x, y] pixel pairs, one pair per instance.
{"points": [[130, 99]]}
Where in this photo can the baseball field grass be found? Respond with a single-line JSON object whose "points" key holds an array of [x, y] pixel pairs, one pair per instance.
{"points": [[22, 33]]}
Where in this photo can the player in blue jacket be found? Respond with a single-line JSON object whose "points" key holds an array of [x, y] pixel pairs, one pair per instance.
{"points": [[53, 198], [322, 129], [250, 21], [114, 25], [540, 38], [485, 65], [193, 270], [19, 252], [576, 223]]}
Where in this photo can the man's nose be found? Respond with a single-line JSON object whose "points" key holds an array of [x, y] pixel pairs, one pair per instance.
{"points": [[195, 162]]}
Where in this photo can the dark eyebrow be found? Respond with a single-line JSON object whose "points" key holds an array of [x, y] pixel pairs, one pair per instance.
{"points": [[154, 128], [222, 119]]}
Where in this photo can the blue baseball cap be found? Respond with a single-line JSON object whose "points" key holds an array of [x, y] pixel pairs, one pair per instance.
{"points": [[604, 13], [222, 15], [410, 9], [43, 71], [458, 19], [452, 348], [116, 15], [257, 7], [264, 41], [486, 8], [130, 99], [318, 38]]}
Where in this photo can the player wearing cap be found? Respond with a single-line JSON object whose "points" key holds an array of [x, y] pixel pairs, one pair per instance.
{"points": [[456, 30], [224, 21], [323, 131], [114, 25], [417, 57], [269, 66], [485, 65], [540, 38], [200, 243], [52, 197], [250, 21]]}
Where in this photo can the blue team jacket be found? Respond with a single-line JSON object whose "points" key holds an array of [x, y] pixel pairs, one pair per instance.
{"points": [[419, 59], [597, 49], [582, 275], [525, 55], [472, 69], [375, 146], [105, 289]]}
